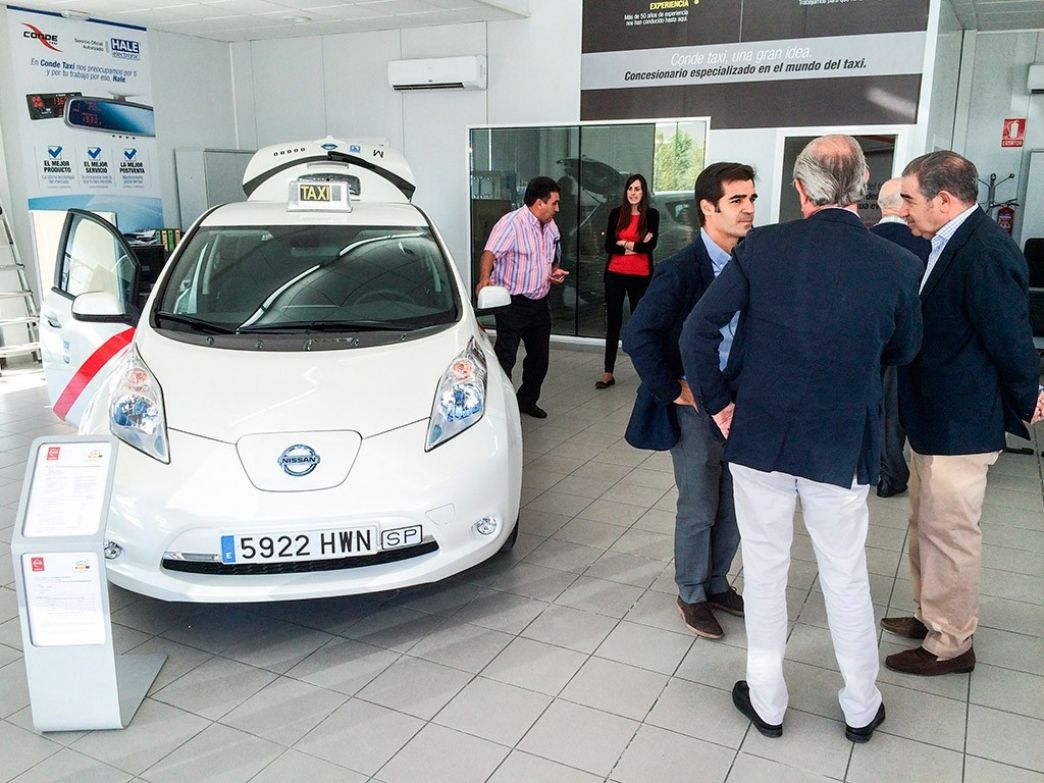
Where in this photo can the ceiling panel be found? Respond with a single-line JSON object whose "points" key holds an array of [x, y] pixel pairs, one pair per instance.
{"points": [[997, 15]]}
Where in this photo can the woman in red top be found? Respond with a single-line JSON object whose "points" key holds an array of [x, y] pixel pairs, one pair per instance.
{"points": [[629, 240]]}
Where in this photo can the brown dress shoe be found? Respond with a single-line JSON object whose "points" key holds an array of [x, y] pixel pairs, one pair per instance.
{"points": [[922, 663], [730, 601], [699, 619], [910, 627]]}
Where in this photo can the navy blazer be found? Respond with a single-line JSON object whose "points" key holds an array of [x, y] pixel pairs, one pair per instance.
{"points": [[901, 234], [651, 340], [823, 303], [977, 373]]}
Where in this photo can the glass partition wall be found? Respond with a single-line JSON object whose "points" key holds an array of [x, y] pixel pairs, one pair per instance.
{"points": [[591, 163]]}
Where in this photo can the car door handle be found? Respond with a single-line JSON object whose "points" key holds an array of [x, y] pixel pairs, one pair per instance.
{"points": [[53, 321]]}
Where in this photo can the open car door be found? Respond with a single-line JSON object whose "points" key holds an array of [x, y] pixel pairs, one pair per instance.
{"points": [[87, 319]]}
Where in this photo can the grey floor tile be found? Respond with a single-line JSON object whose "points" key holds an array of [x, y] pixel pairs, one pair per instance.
{"points": [[590, 533], [613, 512], [415, 687], [1014, 616], [628, 569], [644, 543], [699, 711], [1007, 738], [1010, 650], [215, 687], [501, 611], [211, 627], [343, 665], [493, 710], [360, 736], [393, 627], [579, 737], [601, 596], [573, 628], [276, 646], [813, 689], [14, 688], [157, 730], [713, 663], [1008, 691], [615, 688], [534, 581], [22, 750], [541, 523], [296, 766], [559, 503], [180, 660], [535, 665], [440, 597], [1008, 584], [68, 766], [441, 755], [284, 711], [657, 521], [218, 753], [462, 646], [648, 648], [751, 769], [666, 757], [809, 742], [564, 555], [978, 770], [812, 645], [521, 767], [887, 757], [924, 717]]}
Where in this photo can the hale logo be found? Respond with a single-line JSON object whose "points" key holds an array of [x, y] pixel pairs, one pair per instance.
{"points": [[94, 152], [55, 151], [36, 33], [125, 48], [130, 153]]}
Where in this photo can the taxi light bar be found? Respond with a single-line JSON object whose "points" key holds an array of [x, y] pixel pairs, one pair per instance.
{"points": [[312, 196]]}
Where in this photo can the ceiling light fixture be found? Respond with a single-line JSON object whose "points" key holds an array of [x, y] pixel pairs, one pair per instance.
{"points": [[72, 13]]}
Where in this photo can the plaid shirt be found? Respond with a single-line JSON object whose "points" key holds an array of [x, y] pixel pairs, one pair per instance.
{"points": [[524, 251], [942, 236]]}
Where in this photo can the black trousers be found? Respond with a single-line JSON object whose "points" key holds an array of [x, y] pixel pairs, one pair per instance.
{"points": [[527, 321], [616, 287], [895, 473]]}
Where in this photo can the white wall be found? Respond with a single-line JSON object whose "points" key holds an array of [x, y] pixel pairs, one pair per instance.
{"points": [[993, 86], [943, 103]]}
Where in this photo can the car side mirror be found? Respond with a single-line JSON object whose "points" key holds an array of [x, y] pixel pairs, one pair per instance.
{"points": [[492, 299], [99, 307]]}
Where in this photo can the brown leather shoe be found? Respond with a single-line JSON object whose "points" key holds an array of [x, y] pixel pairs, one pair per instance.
{"points": [[699, 619], [910, 627], [922, 663], [730, 601]]}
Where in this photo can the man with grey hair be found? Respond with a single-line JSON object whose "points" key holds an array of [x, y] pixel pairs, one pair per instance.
{"points": [[895, 474], [975, 378], [822, 303]]}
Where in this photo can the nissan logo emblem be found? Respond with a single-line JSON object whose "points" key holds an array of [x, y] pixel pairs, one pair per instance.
{"points": [[298, 460]]}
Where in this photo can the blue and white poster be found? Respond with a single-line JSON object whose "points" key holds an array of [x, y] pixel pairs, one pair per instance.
{"points": [[86, 120]]}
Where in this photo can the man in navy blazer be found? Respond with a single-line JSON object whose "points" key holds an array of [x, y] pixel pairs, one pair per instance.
{"points": [[895, 474], [665, 416], [823, 303], [976, 377]]}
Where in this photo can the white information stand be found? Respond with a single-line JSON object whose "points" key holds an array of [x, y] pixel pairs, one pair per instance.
{"points": [[76, 680]]}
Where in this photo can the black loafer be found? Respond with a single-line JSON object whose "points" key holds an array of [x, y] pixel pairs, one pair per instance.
{"points": [[888, 491], [866, 732], [741, 698], [605, 384], [533, 410]]}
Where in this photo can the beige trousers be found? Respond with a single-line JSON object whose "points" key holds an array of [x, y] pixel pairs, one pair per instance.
{"points": [[946, 494]]}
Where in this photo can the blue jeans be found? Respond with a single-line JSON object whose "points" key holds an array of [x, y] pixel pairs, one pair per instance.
{"points": [[705, 532]]}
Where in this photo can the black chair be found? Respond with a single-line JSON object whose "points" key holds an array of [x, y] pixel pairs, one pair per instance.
{"points": [[1034, 252]]}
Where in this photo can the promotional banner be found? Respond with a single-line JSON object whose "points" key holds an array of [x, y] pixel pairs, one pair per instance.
{"points": [[754, 63], [85, 118]]}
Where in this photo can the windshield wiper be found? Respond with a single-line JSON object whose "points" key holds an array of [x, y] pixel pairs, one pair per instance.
{"points": [[196, 323], [328, 326]]}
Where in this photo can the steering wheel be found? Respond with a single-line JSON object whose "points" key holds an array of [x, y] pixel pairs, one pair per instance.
{"points": [[384, 295]]}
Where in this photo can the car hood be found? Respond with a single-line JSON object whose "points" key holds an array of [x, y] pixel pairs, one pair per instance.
{"points": [[228, 394]]}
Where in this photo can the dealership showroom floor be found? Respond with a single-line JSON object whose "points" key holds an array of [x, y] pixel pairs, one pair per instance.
{"points": [[562, 662]]}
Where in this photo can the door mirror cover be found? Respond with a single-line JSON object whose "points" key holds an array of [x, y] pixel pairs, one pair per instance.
{"points": [[99, 307], [492, 299]]}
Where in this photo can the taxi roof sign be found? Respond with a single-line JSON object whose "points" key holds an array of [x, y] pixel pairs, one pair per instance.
{"points": [[315, 195]]}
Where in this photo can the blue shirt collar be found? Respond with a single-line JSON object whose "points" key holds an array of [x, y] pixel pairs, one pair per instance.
{"points": [[718, 256]]}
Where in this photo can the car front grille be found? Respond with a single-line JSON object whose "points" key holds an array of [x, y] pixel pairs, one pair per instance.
{"points": [[300, 567]]}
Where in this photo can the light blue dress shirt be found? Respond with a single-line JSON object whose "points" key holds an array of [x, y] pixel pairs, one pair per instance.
{"points": [[942, 236], [718, 259]]}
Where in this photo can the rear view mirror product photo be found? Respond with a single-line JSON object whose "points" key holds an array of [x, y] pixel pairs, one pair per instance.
{"points": [[110, 115]]}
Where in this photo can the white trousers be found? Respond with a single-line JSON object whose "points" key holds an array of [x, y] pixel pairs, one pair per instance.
{"points": [[837, 519]]}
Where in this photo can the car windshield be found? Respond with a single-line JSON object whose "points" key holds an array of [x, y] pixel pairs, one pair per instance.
{"points": [[317, 278]]}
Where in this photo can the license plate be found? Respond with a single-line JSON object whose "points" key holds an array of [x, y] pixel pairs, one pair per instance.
{"points": [[315, 544]]}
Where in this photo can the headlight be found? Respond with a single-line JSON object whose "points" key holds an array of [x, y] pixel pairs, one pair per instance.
{"points": [[460, 399], [136, 411]]}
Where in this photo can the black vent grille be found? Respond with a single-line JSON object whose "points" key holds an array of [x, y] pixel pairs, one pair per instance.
{"points": [[301, 567]]}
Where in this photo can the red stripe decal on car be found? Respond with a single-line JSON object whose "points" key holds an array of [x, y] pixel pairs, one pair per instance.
{"points": [[89, 369]]}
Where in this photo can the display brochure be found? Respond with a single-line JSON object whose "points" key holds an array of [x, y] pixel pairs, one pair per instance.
{"points": [[68, 490], [63, 598]]}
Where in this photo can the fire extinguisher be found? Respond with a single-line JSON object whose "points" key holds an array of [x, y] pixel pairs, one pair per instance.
{"points": [[1006, 217]]}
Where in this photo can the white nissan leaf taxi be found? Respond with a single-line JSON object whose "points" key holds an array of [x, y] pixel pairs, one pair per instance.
{"points": [[305, 404]]}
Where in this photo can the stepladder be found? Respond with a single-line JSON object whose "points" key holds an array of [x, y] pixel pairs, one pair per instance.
{"points": [[19, 316]]}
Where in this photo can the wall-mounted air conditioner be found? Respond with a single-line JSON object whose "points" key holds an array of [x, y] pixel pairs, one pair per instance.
{"points": [[440, 73], [1035, 78]]}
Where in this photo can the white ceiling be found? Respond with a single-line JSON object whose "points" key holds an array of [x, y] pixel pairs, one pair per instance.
{"points": [[992, 15], [249, 20]]}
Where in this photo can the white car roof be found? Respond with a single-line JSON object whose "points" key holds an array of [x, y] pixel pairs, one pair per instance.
{"points": [[269, 213]]}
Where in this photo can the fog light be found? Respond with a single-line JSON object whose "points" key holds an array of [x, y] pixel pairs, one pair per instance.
{"points": [[487, 526], [112, 550]]}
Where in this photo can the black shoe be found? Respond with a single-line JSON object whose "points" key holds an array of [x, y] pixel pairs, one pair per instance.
{"points": [[605, 384], [533, 410], [866, 732], [741, 698], [887, 490]]}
